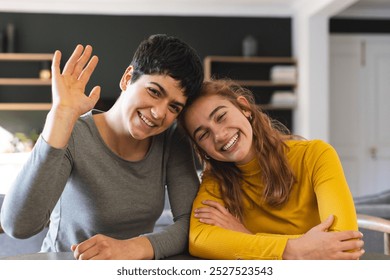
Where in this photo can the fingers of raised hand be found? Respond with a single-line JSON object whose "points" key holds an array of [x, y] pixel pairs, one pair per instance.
{"points": [[77, 65], [55, 64], [94, 95], [82, 61], [84, 73], [72, 61]]}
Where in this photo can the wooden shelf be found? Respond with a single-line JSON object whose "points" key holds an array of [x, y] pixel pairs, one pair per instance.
{"points": [[25, 106], [26, 56], [277, 107], [259, 83], [25, 82], [256, 73], [209, 60], [252, 59]]}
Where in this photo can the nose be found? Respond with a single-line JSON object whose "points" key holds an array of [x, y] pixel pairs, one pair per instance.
{"points": [[220, 134], [159, 111]]}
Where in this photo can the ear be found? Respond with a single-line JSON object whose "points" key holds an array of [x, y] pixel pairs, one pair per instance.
{"points": [[244, 103], [126, 78]]}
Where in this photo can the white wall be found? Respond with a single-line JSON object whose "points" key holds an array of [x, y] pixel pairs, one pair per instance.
{"points": [[311, 44]]}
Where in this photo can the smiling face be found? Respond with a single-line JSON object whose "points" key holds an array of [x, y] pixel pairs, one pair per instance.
{"points": [[150, 104], [221, 129]]}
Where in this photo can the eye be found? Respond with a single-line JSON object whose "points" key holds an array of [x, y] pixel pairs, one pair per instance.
{"points": [[175, 108], [153, 91], [221, 117], [203, 135]]}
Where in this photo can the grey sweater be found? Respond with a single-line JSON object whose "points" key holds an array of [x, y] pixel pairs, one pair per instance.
{"points": [[86, 189]]}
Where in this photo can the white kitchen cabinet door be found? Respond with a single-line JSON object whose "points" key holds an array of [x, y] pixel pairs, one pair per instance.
{"points": [[360, 110]]}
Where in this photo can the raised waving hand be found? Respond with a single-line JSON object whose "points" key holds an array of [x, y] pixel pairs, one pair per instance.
{"points": [[68, 93]]}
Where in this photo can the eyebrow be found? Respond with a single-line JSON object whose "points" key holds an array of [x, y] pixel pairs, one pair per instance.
{"points": [[213, 112], [164, 92]]}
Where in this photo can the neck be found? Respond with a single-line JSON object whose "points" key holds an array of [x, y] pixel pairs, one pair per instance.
{"points": [[117, 138]]}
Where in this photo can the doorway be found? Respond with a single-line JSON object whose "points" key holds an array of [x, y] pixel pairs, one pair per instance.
{"points": [[360, 109]]}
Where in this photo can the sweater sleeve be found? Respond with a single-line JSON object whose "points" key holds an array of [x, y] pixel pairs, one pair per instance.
{"points": [[213, 242], [36, 190], [182, 184], [331, 187]]}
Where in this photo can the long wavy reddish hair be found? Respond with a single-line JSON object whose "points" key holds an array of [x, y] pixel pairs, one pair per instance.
{"points": [[269, 138]]}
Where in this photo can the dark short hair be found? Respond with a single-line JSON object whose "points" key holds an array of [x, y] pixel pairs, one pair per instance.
{"points": [[167, 55]]}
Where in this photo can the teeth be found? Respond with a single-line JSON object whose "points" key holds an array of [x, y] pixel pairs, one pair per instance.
{"points": [[146, 120], [230, 143]]}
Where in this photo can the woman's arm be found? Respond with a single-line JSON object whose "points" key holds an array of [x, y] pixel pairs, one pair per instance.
{"points": [[102, 247], [219, 237], [37, 188], [331, 187], [182, 184], [30, 200], [321, 244], [340, 237], [209, 241]]}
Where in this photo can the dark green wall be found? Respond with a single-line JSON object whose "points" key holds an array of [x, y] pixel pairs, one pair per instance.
{"points": [[350, 26], [115, 38]]}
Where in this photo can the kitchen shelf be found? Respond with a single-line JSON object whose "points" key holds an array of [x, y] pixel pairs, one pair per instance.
{"points": [[25, 106], [26, 56], [258, 83], [259, 76], [25, 82], [17, 81], [209, 60], [277, 107], [251, 59]]}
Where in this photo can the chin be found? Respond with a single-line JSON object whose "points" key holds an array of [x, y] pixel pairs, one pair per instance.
{"points": [[138, 136]]}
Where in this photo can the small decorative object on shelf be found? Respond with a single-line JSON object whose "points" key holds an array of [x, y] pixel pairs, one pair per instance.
{"points": [[11, 38], [249, 46], [284, 99], [284, 74], [45, 72]]}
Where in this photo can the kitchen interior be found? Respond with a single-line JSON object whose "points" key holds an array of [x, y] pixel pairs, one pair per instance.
{"points": [[290, 43]]}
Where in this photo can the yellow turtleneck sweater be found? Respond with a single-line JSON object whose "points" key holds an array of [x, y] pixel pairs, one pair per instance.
{"points": [[321, 190]]}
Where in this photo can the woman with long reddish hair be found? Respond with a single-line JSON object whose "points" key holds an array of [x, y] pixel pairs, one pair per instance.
{"points": [[265, 194]]}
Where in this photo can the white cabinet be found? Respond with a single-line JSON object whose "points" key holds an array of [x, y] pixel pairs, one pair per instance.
{"points": [[360, 110]]}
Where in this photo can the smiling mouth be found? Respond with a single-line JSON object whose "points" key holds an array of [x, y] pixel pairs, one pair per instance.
{"points": [[146, 121], [231, 143]]}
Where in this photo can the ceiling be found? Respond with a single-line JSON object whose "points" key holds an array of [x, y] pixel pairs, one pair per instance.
{"points": [[152, 7], [181, 7]]}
